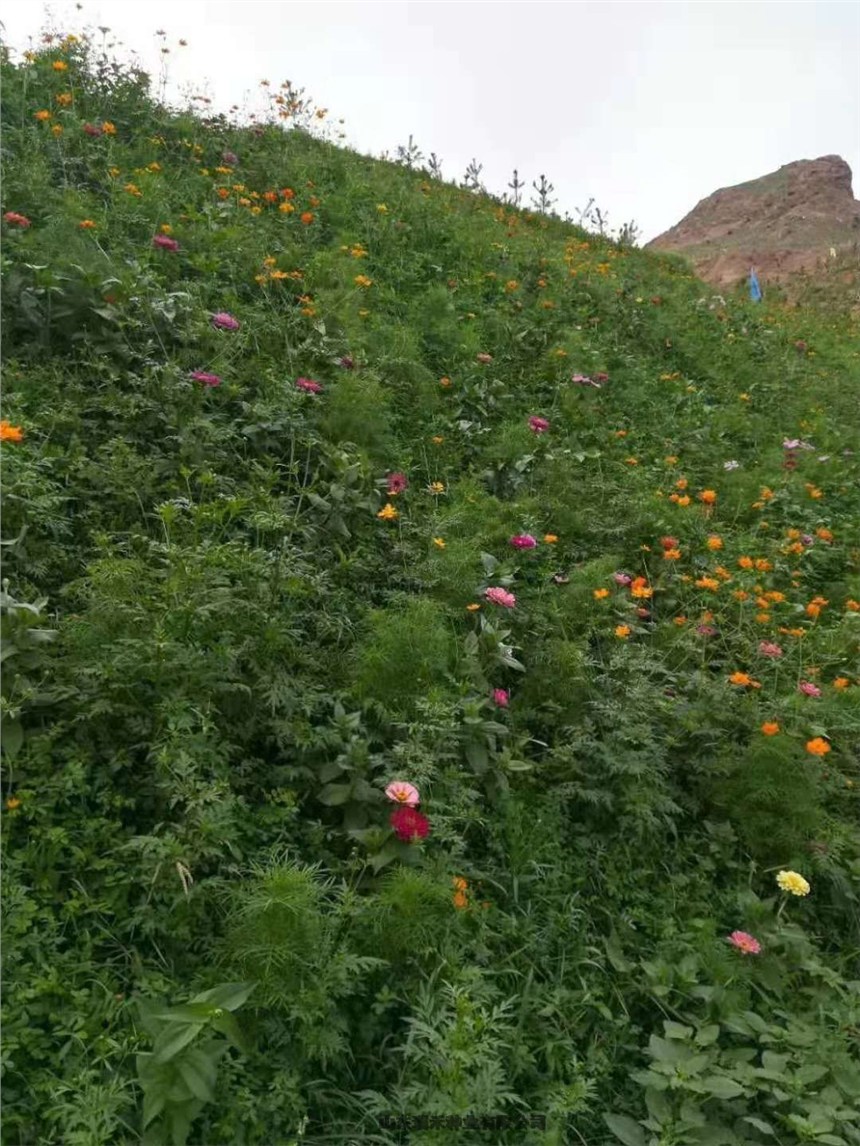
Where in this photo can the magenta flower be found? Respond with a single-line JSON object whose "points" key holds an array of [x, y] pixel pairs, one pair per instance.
{"points": [[538, 425], [622, 578], [347, 362], [224, 321], [308, 385], [206, 379], [165, 243], [397, 483], [706, 630], [501, 697], [808, 688], [402, 792], [523, 541], [501, 597], [744, 942], [769, 649], [409, 825]]}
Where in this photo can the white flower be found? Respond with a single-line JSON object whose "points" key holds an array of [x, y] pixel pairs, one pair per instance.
{"points": [[732, 465]]}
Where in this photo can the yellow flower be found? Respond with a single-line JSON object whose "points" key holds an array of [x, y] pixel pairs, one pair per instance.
{"points": [[437, 439], [550, 538], [714, 542], [60, 66], [600, 594], [841, 682], [473, 608], [382, 209], [683, 501], [12, 803], [671, 460], [57, 130], [439, 542], [41, 116], [793, 882], [64, 99], [86, 225], [362, 281], [622, 632], [388, 512], [436, 487], [108, 128]]}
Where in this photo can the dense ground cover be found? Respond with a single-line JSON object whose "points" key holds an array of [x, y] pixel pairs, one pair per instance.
{"points": [[320, 475]]}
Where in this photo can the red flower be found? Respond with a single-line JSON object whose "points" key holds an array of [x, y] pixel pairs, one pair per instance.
{"points": [[669, 542], [16, 220], [397, 483], [165, 243], [409, 824]]}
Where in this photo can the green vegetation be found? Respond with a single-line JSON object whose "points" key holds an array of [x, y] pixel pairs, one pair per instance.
{"points": [[234, 614]]}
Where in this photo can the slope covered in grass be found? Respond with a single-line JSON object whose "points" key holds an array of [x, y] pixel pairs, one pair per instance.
{"points": [[479, 503]]}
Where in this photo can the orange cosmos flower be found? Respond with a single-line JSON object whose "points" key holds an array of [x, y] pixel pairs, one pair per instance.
{"points": [[818, 746], [770, 728], [622, 632], [10, 433], [307, 217], [708, 496]]}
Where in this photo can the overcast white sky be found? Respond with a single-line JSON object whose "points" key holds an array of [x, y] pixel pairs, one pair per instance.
{"points": [[646, 106]]}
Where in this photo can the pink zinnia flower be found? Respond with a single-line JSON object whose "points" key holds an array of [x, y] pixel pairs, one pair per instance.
{"points": [[808, 688], [622, 578], [397, 483], [538, 425], [16, 220], [224, 321], [206, 379], [769, 649], [309, 385], [402, 792], [409, 825], [501, 697], [501, 597], [745, 943], [523, 541], [165, 243]]}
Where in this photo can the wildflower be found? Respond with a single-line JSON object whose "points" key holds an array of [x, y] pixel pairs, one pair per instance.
{"points": [[108, 128], [622, 632], [640, 588], [60, 66], [671, 554], [473, 607], [402, 792], [439, 542], [679, 620], [501, 597], [485, 359], [600, 594], [706, 630], [708, 496], [388, 512], [511, 285], [397, 483], [841, 682], [436, 487], [445, 382], [550, 538], [437, 439], [669, 542], [307, 217], [745, 943], [362, 281], [501, 697], [133, 189], [346, 362], [230, 158], [286, 208], [523, 541], [41, 116], [57, 130], [682, 501], [769, 649], [409, 825], [12, 803], [743, 680], [308, 385], [745, 562], [809, 689], [793, 882], [165, 243], [770, 728], [10, 433], [714, 542], [817, 746], [16, 220], [538, 425], [382, 208], [205, 378], [224, 321], [852, 606], [622, 578]]}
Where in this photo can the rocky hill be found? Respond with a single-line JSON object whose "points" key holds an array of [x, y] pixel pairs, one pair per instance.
{"points": [[802, 218]]}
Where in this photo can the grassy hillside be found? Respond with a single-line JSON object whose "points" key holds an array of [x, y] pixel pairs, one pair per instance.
{"points": [[319, 476]]}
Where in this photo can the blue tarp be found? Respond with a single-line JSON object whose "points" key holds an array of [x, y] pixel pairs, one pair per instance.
{"points": [[755, 289]]}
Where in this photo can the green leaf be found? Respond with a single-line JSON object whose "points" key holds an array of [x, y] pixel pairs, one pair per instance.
{"points": [[199, 1075], [226, 1024], [676, 1030], [759, 1124], [625, 1129], [229, 996], [171, 1041], [334, 794], [723, 1087], [705, 1036], [13, 737]]}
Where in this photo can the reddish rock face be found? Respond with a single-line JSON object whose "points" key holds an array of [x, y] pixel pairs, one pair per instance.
{"points": [[783, 223]]}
